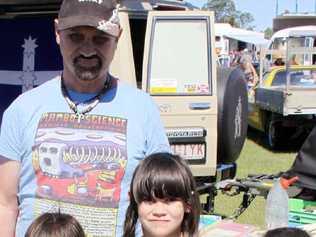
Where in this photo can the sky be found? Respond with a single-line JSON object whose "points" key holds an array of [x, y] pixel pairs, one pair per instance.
{"points": [[264, 11]]}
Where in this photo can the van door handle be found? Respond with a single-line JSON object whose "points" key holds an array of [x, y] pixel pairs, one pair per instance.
{"points": [[200, 106]]}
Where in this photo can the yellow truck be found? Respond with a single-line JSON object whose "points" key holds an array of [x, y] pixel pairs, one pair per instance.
{"points": [[166, 49], [283, 103]]}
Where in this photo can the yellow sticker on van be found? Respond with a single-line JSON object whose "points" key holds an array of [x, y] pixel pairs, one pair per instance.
{"points": [[157, 90]]}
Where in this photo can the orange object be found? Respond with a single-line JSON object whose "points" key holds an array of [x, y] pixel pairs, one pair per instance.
{"points": [[287, 182]]}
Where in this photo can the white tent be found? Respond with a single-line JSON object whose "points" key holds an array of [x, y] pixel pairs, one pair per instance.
{"points": [[252, 37]]}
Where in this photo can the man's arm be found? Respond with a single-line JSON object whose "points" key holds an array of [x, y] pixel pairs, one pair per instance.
{"points": [[9, 177]]}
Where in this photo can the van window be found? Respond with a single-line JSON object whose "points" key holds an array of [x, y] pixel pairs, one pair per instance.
{"points": [[180, 57], [304, 78]]}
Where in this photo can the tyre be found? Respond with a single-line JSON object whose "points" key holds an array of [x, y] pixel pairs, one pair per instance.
{"points": [[271, 135], [274, 134], [232, 114]]}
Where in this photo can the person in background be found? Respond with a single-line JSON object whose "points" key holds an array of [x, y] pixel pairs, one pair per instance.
{"points": [[286, 232], [55, 225], [293, 60], [163, 198], [278, 60], [313, 76], [74, 141], [245, 63]]}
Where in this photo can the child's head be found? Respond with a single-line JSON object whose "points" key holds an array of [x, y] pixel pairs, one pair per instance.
{"points": [[286, 232], [163, 195], [55, 225]]}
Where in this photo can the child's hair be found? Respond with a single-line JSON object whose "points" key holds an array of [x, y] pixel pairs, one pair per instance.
{"points": [[286, 232], [163, 176], [55, 225]]}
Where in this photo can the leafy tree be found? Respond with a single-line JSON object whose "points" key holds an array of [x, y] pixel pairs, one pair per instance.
{"points": [[226, 12], [268, 32], [245, 18]]}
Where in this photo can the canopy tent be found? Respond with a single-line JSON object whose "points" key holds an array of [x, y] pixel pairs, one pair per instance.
{"points": [[248, 36], [251, 39]]}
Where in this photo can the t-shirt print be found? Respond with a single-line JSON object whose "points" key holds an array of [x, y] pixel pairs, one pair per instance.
{"points": [[79, 168]]}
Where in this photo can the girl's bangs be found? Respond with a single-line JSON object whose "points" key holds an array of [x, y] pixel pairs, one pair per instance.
{"points": [[160, 184]]}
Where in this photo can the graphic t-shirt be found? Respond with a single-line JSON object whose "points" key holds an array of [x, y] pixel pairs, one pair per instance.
{"points": [[84, 167]]}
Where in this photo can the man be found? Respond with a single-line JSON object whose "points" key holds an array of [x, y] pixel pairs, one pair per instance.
{"points": [[278, 59], [245, 63], [71, 144]]}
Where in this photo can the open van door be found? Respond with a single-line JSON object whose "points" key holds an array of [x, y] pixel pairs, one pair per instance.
{"points": [[122, 65], [179, 74]]}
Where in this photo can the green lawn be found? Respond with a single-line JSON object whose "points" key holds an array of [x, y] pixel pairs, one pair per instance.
{"points": [[255, 159]]}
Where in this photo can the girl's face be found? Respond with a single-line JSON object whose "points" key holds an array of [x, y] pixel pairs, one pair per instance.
{"points": [[161, 218]]}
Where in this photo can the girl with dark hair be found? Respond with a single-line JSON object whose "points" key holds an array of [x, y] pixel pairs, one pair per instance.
{"points": [[163, 198], [55, 225], [286, 232]]}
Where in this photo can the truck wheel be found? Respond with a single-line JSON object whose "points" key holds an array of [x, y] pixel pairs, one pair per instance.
{"points": [[232, 113], [273, 134]]}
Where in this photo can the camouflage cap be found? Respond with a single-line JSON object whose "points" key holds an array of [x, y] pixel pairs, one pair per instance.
{"points": [[101, 14]]}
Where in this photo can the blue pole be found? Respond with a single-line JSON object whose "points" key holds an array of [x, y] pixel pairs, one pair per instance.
{"points": [[277, 8], [296, 6]]}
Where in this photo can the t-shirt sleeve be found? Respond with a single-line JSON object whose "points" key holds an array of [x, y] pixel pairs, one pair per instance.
{"points": [[10, 135], [156, 139]]}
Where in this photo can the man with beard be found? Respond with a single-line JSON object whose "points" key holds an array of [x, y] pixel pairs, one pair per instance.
{"points": [[72, 144]]}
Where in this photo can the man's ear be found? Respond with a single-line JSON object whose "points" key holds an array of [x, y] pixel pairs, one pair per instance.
{"points": [[56, 31]]}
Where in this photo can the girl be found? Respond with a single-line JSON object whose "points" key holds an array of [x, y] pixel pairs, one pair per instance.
{"points": [[163, 198], [286, 232], [55, 225]]}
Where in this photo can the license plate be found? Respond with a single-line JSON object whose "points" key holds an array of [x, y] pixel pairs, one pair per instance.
{"points": [[189, 151]]}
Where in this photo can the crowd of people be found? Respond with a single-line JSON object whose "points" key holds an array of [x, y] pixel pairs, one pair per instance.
{"points": [[247, 59], [143, 191]]}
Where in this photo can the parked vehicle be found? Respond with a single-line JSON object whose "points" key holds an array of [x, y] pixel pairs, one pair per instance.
{"points": [[283, 104]]}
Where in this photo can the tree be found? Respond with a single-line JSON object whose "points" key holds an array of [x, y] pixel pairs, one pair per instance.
{"points": [[268, 32], [226, 12], [245, 18]]}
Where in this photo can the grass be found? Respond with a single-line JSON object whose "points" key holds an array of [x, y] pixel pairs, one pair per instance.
{"points": [[255, 158]]}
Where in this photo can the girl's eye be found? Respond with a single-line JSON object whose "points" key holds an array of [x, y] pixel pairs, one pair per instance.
{"points": [[76, 38], [170, 199], [148, 202]]}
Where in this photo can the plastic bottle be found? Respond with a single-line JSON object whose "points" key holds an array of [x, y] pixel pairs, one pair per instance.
{"points": [[277, 205]]}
